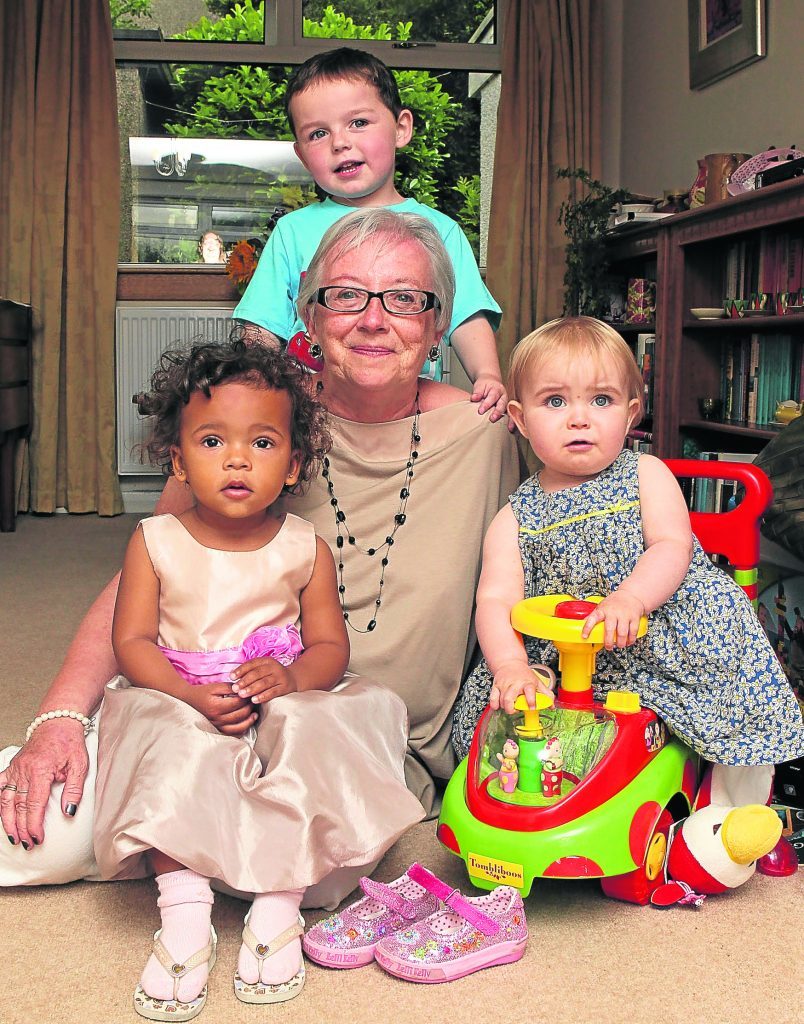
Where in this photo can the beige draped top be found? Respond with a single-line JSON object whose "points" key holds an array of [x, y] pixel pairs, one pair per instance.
{"points": [[424, 641]]}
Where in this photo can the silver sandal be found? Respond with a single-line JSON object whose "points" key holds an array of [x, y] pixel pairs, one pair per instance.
{"points": [[261, 991], [175, 1009]]}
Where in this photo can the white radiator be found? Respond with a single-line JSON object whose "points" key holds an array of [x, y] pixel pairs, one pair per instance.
{"points": [[142, 333]]}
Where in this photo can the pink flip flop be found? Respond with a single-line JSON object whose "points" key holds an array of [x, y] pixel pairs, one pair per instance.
{"points": [[348, 939], [466, 935]]}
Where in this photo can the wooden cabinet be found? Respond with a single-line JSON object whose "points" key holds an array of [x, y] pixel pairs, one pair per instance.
{"points": [[690, 251], [15, 397]]}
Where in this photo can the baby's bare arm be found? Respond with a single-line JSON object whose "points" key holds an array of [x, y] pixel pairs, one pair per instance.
{"points": [[662, 566], [502, 584]]}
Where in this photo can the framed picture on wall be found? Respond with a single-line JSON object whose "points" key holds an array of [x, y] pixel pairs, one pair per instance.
{"points": [[725, 35]]}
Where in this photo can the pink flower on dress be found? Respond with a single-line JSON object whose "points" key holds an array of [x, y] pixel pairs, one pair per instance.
{"points": [[283, 643]]}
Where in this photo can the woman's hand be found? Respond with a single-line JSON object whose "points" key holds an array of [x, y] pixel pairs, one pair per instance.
{"points": [[229, 713], [56, 752], [516, 678], [262, 679], [620, 612], [490, 392]]}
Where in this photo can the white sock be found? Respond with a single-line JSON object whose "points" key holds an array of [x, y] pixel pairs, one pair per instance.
{"points": [[271, 914], [185, 903]]}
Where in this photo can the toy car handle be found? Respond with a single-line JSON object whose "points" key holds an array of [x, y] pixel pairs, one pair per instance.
{"points": [[535, 616], [733, 534]]}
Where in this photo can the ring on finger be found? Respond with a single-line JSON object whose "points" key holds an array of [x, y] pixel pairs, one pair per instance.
{"points": [[22, 792], [11, 787]]}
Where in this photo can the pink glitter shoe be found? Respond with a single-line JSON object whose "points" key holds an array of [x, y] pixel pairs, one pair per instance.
{"points": [[348, 939], [467, 934]]}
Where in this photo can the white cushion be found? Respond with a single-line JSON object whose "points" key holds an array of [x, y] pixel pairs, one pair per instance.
{"points": [[67, 853]]}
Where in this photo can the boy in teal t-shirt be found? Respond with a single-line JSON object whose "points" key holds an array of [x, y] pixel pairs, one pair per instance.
{"points": [[347, 117]]}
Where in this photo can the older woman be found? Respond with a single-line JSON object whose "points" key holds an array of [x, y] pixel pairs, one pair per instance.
{"points": [[414, 478]]}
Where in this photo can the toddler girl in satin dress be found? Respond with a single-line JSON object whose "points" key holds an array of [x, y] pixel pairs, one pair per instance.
{"points": [[222, 756]]}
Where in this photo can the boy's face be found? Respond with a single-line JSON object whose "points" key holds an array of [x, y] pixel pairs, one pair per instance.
{"points": [[347, 139]]}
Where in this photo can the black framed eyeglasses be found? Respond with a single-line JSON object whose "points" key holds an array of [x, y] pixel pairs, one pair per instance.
{"points": [[399, 301]]}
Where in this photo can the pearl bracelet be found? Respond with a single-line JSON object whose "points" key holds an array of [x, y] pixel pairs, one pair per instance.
{"points": [[50, 715]]}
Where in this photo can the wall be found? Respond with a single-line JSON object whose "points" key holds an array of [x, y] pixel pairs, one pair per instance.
{"points": [[612, 92], [665, 126], [489, 101]]}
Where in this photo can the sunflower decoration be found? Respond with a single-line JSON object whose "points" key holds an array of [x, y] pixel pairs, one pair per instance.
{"points": [[246, 253], [243, 261]]}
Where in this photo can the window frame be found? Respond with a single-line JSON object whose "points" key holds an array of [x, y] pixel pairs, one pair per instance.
{"points": [[283, 25]]}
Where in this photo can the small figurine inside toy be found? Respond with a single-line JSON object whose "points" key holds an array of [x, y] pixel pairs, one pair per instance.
{"points": [[509, 773], [552, 759], [535, 767]]}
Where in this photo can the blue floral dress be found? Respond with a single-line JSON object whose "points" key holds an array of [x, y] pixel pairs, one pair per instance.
{"points": [[705, 665]]}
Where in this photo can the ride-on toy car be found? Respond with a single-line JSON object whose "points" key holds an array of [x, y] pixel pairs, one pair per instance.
{"points": [[575, 788]]}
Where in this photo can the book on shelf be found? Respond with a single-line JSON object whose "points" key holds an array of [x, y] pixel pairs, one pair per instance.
{"points": [[753, 378], [769, 262], [705, 495], [644, 353], [756, 373], [727, 378], [639, 440]]}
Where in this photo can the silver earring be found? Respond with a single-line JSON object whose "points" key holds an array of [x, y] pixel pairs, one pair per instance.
{"points": [[434, 353], [315, 351]]}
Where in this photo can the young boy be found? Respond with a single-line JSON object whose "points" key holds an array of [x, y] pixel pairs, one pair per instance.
{"points": [[346, 114]]}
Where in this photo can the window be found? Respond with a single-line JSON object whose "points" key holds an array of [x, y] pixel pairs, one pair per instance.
{"points": [[433, 21], [274, 31], [204, 142], [183, 189]]}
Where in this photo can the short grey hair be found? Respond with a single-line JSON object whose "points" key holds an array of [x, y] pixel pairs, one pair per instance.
{"points": [[352, 231]]}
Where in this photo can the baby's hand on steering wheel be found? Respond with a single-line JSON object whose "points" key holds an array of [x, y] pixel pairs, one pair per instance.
{"points": [[620, 612], [262, 679], [490, 392], [515, 678]]}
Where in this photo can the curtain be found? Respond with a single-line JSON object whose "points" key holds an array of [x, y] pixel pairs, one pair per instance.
{"points": [[548, 117], [59, 227]]}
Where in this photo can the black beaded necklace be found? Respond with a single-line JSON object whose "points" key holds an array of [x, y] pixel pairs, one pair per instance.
{"points": [[345, 535]]}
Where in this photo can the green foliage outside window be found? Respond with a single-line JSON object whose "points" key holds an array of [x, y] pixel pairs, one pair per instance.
{"points": [[247, 101], [469, 211], [128, 13]]}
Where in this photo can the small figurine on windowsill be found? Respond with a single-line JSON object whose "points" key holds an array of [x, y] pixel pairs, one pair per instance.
{"points": [[509, 770], [552, 758]]}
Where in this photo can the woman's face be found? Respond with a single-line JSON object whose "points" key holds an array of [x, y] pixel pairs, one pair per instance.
{"points": [[211, 249], [374, 349]]}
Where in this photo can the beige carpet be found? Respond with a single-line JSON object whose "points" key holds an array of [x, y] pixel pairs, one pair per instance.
{"points": [[73, 954]]}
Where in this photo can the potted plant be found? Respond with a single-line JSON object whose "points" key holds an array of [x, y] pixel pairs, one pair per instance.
{"points": [[584, 219]]}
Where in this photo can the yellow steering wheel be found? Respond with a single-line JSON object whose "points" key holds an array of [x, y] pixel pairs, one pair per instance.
{"points": [[560, 618]]}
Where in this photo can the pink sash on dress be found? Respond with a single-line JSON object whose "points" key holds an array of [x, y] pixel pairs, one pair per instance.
{"points": [[283, 643]]}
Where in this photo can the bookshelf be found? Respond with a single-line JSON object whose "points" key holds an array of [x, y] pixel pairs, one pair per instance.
{"points": [[687, 254]]}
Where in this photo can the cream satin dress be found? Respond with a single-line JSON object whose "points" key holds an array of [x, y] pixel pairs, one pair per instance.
{"points": [[314, 796]]}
